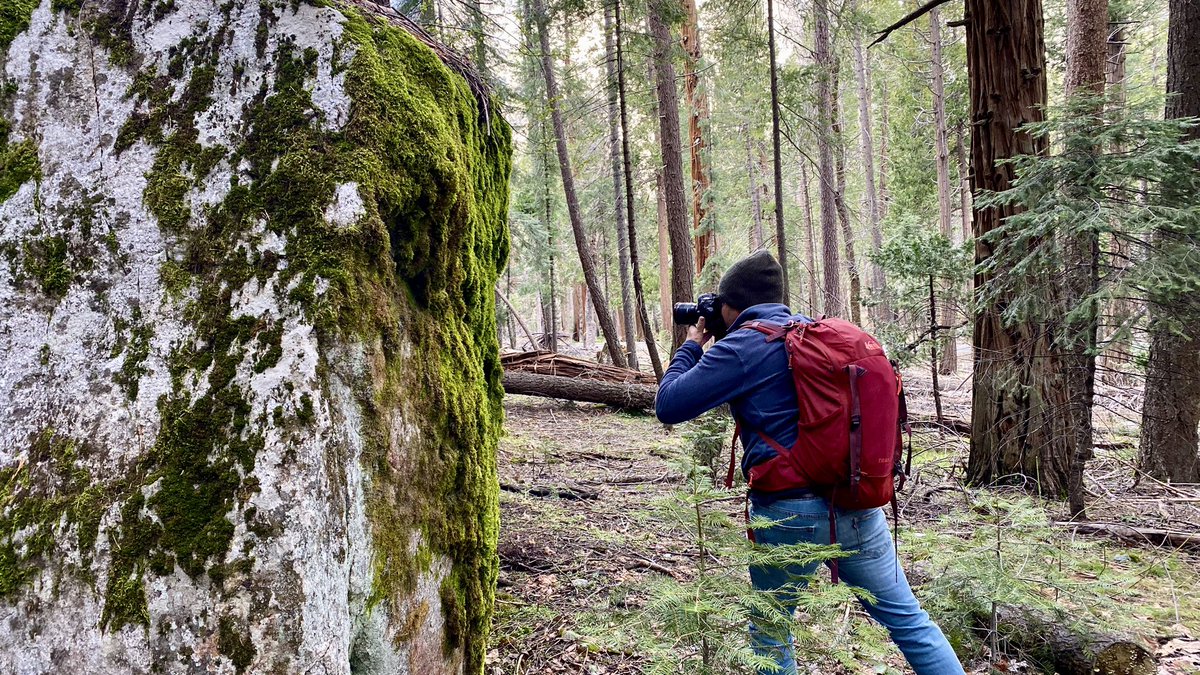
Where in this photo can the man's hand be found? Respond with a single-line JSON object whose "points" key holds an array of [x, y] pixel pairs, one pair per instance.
{"points": [[698, 333]]}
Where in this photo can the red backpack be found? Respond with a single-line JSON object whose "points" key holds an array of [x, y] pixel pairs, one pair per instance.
{"points": [[852, 414]]}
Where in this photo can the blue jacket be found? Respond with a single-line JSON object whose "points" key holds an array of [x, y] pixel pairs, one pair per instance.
{"points": [[743, 370]]}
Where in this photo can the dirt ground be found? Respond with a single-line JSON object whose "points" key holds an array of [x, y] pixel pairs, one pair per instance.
{"points": [[581, 537]]}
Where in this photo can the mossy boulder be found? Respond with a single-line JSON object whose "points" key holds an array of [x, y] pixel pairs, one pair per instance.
{"points": [[249, 381]]}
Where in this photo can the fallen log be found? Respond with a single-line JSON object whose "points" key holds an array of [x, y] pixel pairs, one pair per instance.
{"points": [[1053, 645], [1130, 534], [551, 363], [620, 395]]}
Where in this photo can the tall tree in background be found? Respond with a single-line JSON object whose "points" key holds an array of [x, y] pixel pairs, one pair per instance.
{"points": [[780, 233], [627, 156], [698, 116], [586, 259], [614, 148], [1087, 37], [810, 248], [881, 309], [1171, 411], [832, 302], [1020, 424], [843, 211], [757, 236], [682, 273], [885, 130], [949, 360], [1115, 361]]}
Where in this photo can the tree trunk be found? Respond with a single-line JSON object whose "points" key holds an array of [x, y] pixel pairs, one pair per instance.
{"points": [[614, 148], [664, 254], [1021, 426], [933, 355], [964, 183], [512, 314], [664, 235], [949, 362], [832, 302], [1116, 360], [756, 210], [881, 309], [885, 130], [682, 273], [646, 331], [550, 335], [1087, 38], [810, 242], [586, 259], [1171, 411], [842, 209], [964, 196], [780, 232], [698, 114], [273, 478]]}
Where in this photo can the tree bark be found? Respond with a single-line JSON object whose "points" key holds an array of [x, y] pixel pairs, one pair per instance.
{"points": [[964, 187], [614, 148], [682, 273], [949, 361], [832, 302], [664, 234], [586, 259], [1087, 38], [550, 322], [664, 253], [881, 309], [756, 210], [843, 211], [630, 396], [885, 130], [1171, 411], [1116, 359], [698, 115], [1021, 426], [647, 331], [780, 232], [810, 240]]}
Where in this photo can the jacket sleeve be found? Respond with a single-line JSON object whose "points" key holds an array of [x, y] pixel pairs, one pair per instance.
{"points": [[698, 381]]}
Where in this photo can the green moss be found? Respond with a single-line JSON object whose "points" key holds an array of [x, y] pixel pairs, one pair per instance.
{"points": [[46, 261], [18, 165], [14, 19], [41, 499], [133, 339], [441, 191], [306, 415], [234, 643], [71, 7]]}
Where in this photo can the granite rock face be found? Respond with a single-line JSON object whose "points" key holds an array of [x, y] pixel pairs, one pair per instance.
{"points": [[249, 390]]}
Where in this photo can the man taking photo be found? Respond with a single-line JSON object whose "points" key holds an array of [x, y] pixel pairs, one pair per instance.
{"points": [[750, 370]]}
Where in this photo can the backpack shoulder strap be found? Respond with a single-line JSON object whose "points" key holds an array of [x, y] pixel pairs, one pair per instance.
{"points": [[773, 331]]}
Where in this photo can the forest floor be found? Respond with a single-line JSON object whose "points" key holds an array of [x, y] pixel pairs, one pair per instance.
{"points": [[586, 539]]}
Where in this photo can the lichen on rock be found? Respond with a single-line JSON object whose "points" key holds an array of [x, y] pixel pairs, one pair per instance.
{"points": [[250, 396]]}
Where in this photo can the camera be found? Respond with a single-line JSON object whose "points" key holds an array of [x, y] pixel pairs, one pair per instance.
{"points": [[707, 307]]}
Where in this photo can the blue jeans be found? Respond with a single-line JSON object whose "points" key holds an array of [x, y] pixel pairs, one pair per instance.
{"points": [[872, 566]]}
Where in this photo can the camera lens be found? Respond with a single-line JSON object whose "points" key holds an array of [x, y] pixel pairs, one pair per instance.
{"points": [[686, 313]]}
